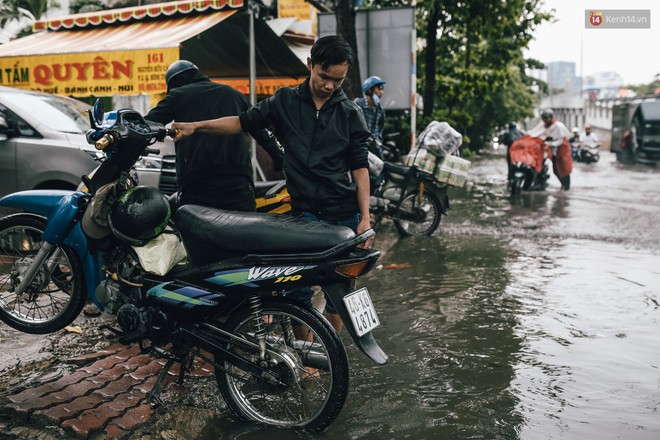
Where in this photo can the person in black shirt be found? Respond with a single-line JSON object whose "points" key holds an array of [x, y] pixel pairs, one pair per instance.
{"points": [[212, 170]]}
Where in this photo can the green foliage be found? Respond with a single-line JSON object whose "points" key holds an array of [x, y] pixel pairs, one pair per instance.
{"points": [[79, 6], [479, 75], [650, 88], [11, 10]]}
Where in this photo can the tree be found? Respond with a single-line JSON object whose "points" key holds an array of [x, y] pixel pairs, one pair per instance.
{"points": [[11, 10], [79, 6], [474, 74], [345, 14]]}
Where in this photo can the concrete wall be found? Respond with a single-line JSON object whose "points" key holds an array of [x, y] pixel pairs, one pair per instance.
{"points": [[576, 111]]}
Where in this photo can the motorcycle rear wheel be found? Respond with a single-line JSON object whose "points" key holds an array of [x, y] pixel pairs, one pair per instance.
{"points": [[429, 204], [308, 381], [55, 297]]}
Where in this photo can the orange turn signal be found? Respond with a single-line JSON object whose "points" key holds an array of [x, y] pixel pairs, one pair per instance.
{"points": [[352, 270]]}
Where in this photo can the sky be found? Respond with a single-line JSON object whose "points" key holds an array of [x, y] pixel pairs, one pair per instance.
{"points": [[632, 53]]}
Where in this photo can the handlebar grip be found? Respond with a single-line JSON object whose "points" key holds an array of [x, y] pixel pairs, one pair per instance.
{"points": [[172, 132], [106, 140]]}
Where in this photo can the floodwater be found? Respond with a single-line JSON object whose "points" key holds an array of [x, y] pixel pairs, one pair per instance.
{"points": [[532, 319], [536, 318]]}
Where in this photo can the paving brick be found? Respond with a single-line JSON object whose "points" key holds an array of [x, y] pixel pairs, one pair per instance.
{"points": [[202, 370], [127, 400], [129, 352], [91, 357], [148, 384], [117, 386], [91, 420], [114, 432], [42, 390], [103, 364], [147, 370], [64, 395], [59, 413], [134, 417]]}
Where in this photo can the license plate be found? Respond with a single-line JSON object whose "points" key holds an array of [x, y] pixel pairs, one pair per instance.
{"points": [[362, 311]]}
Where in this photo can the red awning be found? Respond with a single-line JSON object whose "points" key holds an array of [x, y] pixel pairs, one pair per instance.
{"points": [[139, 35], [99, 57], [124, 15]]}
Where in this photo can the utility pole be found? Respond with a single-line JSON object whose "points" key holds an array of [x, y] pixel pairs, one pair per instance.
{"points": [[257, 171]]}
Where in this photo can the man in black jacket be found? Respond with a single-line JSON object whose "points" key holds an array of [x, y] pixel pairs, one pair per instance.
{"points": [[212, 170], [324, 135]]}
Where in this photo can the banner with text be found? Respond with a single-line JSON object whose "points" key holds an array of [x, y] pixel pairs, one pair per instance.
{"points": [[91, 74]]}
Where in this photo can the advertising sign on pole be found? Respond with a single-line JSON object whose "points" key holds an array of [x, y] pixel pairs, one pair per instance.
{"points": [[386, 48]]}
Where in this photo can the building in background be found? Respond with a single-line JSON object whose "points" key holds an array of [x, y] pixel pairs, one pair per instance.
{"points": [[561, 76]]}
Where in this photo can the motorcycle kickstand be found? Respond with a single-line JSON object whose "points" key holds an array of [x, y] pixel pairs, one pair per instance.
{"points": [[154, 394]]}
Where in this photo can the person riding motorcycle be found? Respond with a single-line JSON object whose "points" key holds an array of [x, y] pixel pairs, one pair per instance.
{"points": [[212, 170], [574, 141], [589, 138], [556, 135], [508, 138]]}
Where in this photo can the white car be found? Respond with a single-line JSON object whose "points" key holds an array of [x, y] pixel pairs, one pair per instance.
{"points": [[43, 145]]}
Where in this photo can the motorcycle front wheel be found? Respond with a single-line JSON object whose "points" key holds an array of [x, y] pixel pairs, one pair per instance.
{"points": [[306, 383], [418, 217], [55, 297]]}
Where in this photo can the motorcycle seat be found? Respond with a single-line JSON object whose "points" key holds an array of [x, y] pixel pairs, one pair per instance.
{"points": [[211, 234], [396, 168]]}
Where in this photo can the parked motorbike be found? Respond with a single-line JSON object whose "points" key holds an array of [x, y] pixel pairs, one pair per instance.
{"points": [[530, 165], [411, 197], [277, 362]]}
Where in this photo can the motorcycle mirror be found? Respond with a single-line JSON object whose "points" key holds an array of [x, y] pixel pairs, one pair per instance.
{"points": [[98, 112]]}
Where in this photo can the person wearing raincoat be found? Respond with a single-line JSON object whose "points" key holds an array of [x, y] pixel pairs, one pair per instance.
{"points": [[556, 136]]}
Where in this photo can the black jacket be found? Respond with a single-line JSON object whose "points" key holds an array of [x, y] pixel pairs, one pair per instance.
{"points": [[205, 156], [321, 148]]}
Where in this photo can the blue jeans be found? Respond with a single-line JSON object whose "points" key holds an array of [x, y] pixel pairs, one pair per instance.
{"points": [[304, 294]]}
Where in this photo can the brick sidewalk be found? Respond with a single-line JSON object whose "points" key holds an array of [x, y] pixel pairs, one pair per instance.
{"points": [[105, 397]]}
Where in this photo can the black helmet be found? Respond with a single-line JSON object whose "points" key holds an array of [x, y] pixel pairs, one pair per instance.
{"points": [[547, 114], [139, 215], [175, 69]]}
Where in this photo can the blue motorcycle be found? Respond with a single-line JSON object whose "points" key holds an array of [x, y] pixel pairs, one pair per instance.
{"points": [[277, 361]]}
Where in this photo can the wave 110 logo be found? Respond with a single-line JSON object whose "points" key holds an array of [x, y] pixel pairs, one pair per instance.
{"points": [[595, 18]]}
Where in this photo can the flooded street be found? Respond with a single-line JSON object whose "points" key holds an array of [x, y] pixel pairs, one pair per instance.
{"points": [[530, 319], [537, 319], [526, 320]]}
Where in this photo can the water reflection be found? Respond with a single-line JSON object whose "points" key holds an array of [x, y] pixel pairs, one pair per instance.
{"points": [[528, 320]]}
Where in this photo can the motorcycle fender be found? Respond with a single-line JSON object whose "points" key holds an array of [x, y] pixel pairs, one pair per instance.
{"points": [[59, 208], [443, 198], [366, 343]]}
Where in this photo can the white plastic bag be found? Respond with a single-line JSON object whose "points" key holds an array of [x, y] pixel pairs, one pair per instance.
{"points": [[375, 164], [440, 138], [162, 253]]}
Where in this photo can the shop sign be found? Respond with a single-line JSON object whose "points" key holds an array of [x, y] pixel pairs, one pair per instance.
{"points": [[85, 74]]}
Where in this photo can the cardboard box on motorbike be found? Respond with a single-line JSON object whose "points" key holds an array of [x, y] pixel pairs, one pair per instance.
{"points": [[435, 153]]}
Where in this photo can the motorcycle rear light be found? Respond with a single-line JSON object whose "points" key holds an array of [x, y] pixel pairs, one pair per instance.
{"points": [[352, 270], [287, 199]]}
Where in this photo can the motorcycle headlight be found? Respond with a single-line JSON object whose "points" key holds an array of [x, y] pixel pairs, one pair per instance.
{"points": [[149, 163]]}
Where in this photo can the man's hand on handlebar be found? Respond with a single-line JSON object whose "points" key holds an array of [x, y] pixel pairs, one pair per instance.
{"points": [[183, 130]]}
